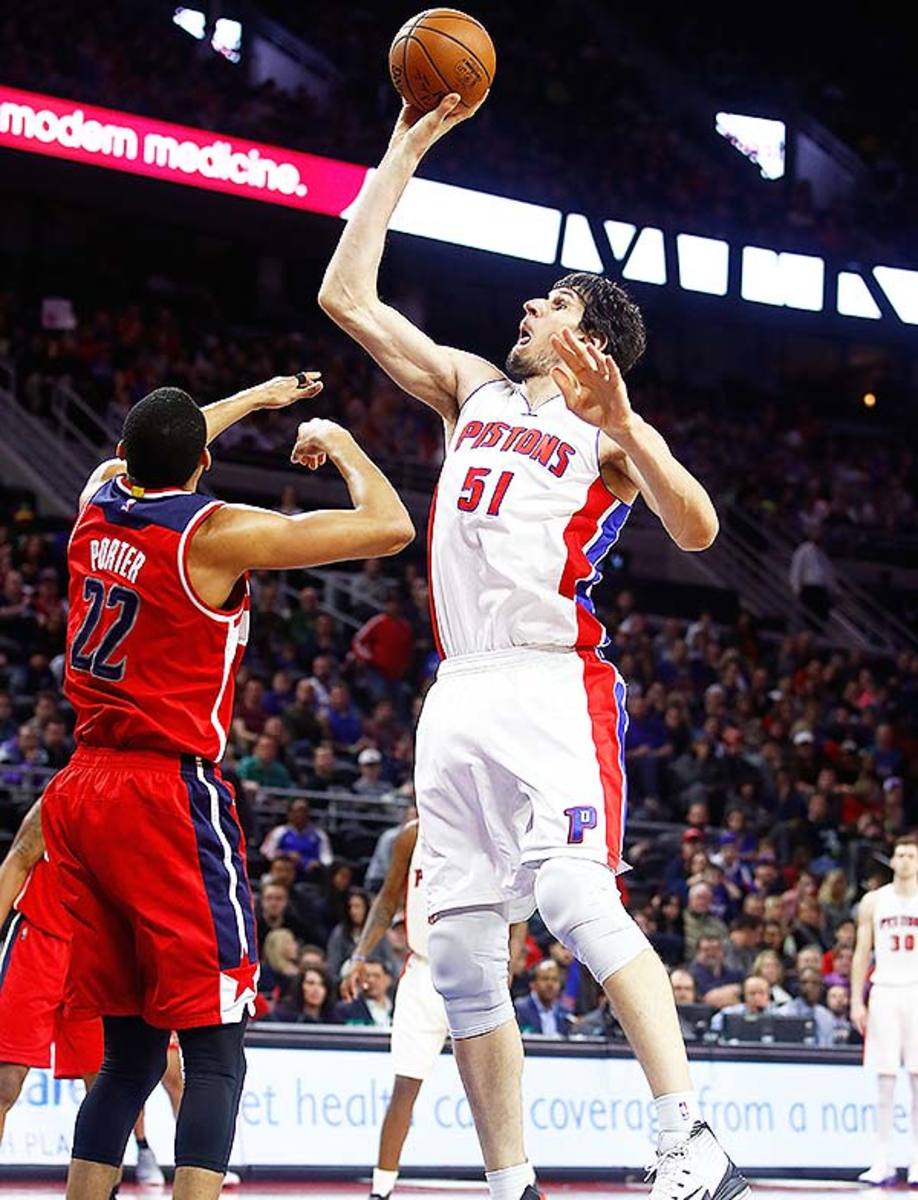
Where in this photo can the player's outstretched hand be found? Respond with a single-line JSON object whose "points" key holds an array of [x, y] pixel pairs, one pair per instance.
{"points": [[352, 984], [315, 440], [591, 384], [419, 130], [287, 389]]}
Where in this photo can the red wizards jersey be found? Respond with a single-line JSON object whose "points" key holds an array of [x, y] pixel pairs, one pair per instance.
{"points": [[40, 901], [150, 666]]}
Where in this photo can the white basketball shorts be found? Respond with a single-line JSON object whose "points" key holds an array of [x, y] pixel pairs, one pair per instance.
{"points": [[892, 1029], [419, 1026], [520, 758]]}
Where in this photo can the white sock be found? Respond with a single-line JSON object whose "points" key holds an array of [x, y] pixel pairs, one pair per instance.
{"points": [[886, 1091], [677, 1112], [383, 1181], [510, 1182]]}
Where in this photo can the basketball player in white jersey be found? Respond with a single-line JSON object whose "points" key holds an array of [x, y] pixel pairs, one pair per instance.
{"points": [[419, 1026], [887, 925], [520, 765]]}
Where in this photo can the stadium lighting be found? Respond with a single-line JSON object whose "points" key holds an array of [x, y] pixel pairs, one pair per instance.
{"points": [[477, 220], [760, 139], [620, 235], [647, 261], [703, 264], [782, 279], [853, 298], [192, 21], [901, 287], [227, 39], [578, 250]]}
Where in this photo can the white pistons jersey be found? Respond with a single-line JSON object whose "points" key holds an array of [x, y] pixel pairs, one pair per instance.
{"points": [[519, 525], [416, 926], [895, 938]]}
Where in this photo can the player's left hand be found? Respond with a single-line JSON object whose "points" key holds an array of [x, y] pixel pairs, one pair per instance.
{"points": [[591, 384], [287, 389]]}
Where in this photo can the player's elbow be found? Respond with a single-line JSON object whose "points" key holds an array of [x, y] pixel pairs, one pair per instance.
{"points": [[395, 535], [700, 535], [340, 303]]}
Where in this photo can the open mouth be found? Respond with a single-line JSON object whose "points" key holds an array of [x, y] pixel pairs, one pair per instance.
{"points": [[525, 337]]}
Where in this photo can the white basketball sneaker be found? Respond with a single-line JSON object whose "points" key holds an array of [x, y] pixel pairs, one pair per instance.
{"points": [[148, 1171], [881, 1174], [696, 1169], [913, 1174], [231, 1179]]}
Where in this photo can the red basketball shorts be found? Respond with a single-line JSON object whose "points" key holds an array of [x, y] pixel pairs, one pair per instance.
{"points": [[33, 975], [151, 864]]}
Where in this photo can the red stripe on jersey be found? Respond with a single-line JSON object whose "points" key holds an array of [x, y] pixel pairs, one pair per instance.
{"points": [[599, 679], [430, 576], [580, 529]]}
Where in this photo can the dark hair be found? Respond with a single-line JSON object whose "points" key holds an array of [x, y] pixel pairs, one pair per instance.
{"points": [[609, 313], [905, 839], [164, 436]]}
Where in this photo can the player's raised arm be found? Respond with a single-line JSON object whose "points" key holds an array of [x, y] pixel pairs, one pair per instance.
{"points": [[27, 848], [593, 388], [438, 375], [279, 392], [385, 906], [860, 962], [239, 537]]}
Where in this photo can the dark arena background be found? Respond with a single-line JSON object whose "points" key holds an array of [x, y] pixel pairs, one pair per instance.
{"points": [[172, 186]]}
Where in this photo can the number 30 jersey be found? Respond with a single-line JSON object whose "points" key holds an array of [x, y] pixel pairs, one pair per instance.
{"points": [[895, 938], [149, 665], [519, 526]]}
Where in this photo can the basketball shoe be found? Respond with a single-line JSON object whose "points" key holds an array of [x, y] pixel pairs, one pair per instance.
{"points": [[148, 1171], [696, 1169], [881, 1174], [913, 1174]]}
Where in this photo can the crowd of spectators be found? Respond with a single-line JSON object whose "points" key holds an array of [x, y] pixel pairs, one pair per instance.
{"points": [[767, 779], [596, 106], [794, 470]]}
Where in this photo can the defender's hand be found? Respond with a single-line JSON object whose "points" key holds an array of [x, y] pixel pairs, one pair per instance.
{"points": [[315, 441], [284, 390], [591, 384], [352, 986], [417, 131]]}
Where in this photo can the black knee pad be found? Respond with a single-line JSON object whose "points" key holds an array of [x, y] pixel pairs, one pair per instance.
{"points": [[135, 1059], [214, 1061]]}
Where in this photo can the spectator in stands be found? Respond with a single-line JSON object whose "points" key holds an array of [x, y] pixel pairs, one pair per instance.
{"points": [[834, 899], [302, 624], [378, 867], [56, 743], [343, 723], [756, 1001], [745, 942], [840, 975], [310, 1002], [812, 580], [737, 873], [675, 875], [300, 839], [370, 588], [808, 1005], [324, 775], [647, 747], [250, 716], [808, 929], [323, 678], [20, 755], [838, 1002], [698, 920], [274, 910], [716, 983], [369, 782], [541, 1011], [346, 935], [384, 647], [807, 959], [683, 985], [374, 1006], [280, 954], [844, 939], [261, 768], [769, 966]]}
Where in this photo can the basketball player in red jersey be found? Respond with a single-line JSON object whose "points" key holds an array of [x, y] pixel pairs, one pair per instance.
{"points": [[520, 777], [34, 964], [140, 825]]}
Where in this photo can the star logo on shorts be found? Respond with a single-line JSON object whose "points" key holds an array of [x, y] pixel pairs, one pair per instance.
{"points": [[244, 976]]}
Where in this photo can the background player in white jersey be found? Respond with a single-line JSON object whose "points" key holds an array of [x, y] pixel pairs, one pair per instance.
{"points": [[419, 1026], [887, 925], [522, 734]]}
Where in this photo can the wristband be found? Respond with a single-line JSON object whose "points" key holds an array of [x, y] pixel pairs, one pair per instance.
{"points": [[358, 958]]}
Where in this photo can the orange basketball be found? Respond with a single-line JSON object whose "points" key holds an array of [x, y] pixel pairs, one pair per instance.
{"points": [[441, 51]]}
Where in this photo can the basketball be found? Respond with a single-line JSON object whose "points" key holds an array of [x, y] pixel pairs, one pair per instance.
{"points": [[439, 51]]}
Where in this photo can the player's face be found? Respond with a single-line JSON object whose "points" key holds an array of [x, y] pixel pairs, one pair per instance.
{"points": [[532, 353], [904, 862]]}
